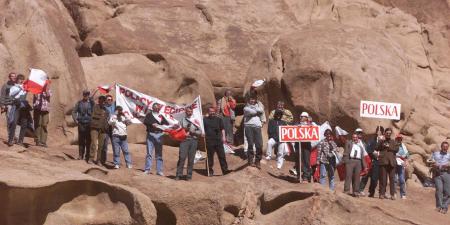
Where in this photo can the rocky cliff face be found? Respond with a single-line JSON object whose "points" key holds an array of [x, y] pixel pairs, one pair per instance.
{"points": [[322, 56]]}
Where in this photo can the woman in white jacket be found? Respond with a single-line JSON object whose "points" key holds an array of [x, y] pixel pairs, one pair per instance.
{"points": [[119, 123]]}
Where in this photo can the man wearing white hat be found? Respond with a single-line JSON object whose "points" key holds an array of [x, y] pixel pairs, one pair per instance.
{"points": [[305, 154]]}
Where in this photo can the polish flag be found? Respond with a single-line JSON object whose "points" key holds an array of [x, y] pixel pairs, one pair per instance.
{"points": [[36, 82], [104, 89]]}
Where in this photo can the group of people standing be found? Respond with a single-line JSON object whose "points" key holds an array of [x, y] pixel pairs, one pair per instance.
{"points": [[13, 102]]}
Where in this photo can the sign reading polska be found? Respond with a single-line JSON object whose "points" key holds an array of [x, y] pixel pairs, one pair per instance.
{"points": [[380, 110], [299, 133]]}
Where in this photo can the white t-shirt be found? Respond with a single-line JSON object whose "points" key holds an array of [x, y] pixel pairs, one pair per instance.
{"points": [[119, 127], [356, 151]]}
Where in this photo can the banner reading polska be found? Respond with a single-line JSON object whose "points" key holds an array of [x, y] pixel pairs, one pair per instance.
{"points": [[299, 133], [380, 110], [136, 105]]}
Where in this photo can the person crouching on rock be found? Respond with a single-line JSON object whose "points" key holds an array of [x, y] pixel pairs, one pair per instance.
{"points": [[153, 120], [441, 168], [388, 148], [188, 147], [327, 149], [215, 138], [354, 162], [252, 126], [99, 125], [119, 123], [274, 141]]}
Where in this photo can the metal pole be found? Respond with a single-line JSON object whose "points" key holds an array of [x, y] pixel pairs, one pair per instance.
{"points": [[206, 150], [300, 161]]}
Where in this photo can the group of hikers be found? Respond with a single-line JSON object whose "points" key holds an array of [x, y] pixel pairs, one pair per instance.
{"points": [[379, 159]]}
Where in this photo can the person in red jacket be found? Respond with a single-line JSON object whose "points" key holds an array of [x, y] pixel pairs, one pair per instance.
{"points": [[226, 105]]}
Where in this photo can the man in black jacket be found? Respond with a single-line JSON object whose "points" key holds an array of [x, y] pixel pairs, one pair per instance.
{"points": [[153, 121], [272, 132], [81, 115], [215, 137]]}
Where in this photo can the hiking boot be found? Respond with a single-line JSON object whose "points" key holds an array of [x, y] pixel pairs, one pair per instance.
{"points": [[371, 195], [258, 165], [129, 166], [393, 197], [226, 172], [160, 174], [383, 197], [404, 197], [444, 210], [146, 172], [116, 166], [362, 194], [43, 145]]}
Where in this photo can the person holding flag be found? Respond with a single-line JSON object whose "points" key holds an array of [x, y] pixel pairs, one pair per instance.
{"points": [[156, 123], [41, 106], [188, 147]]}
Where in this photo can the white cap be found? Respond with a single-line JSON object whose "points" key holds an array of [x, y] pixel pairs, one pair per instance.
{"points": [[304, 114], [358, 130], [340, 131], [258, 83]]}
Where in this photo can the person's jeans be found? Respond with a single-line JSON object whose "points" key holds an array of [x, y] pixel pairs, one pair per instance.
{"points": [[108, 139], [12, 117], [283, 150], [442, 195], [187, 149], [270, 144], [254, 137], [121, 143], [154, 142], [213, 147], [41, 119], [327, 170], [401, 180], [228, 127]]}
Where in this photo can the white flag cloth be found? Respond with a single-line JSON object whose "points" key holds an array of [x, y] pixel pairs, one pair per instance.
{"points": [[137, 105], [36, 81], [325, 126]]}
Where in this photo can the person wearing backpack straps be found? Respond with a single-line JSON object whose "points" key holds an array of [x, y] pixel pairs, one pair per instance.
{"points": [[5, 99], [18, 93], [81, 115], [99, 127]]}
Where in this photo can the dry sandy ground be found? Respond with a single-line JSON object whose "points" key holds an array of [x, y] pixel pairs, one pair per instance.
{"points": [[417, 209]]}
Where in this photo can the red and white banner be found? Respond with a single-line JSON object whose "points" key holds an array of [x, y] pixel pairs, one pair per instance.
{"points": [[299, 133], [380, 110], [36, 81], [136, 105]]}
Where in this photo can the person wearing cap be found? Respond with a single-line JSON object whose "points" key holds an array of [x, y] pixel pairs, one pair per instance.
{"points": [[388, 148], [327, 150], [226, 105], [305, 152], [119, 122], [99, 126], [287, 115], [354, 162], [374, 172], [402, 162], [188, 147], [252, 127], [441, 169], [81, 115], [110, 106], [41, 109]]}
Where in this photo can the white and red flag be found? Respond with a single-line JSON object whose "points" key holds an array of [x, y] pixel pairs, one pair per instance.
{"points": [[136, 105], [36, 82]]}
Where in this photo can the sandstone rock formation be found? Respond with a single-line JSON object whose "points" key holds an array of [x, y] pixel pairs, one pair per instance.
{"points": [[320, 56]]}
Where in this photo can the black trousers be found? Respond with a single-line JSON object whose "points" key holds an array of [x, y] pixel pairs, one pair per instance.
{"points": [[373, 176], [387, 171], [84, 140], [187, 149], [254, 137], [305, 159], [216, 146]]}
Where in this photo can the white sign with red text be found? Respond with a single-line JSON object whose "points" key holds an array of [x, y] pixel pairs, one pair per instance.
{"points": [[380, 110], [299, 133], [136, 105]]}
